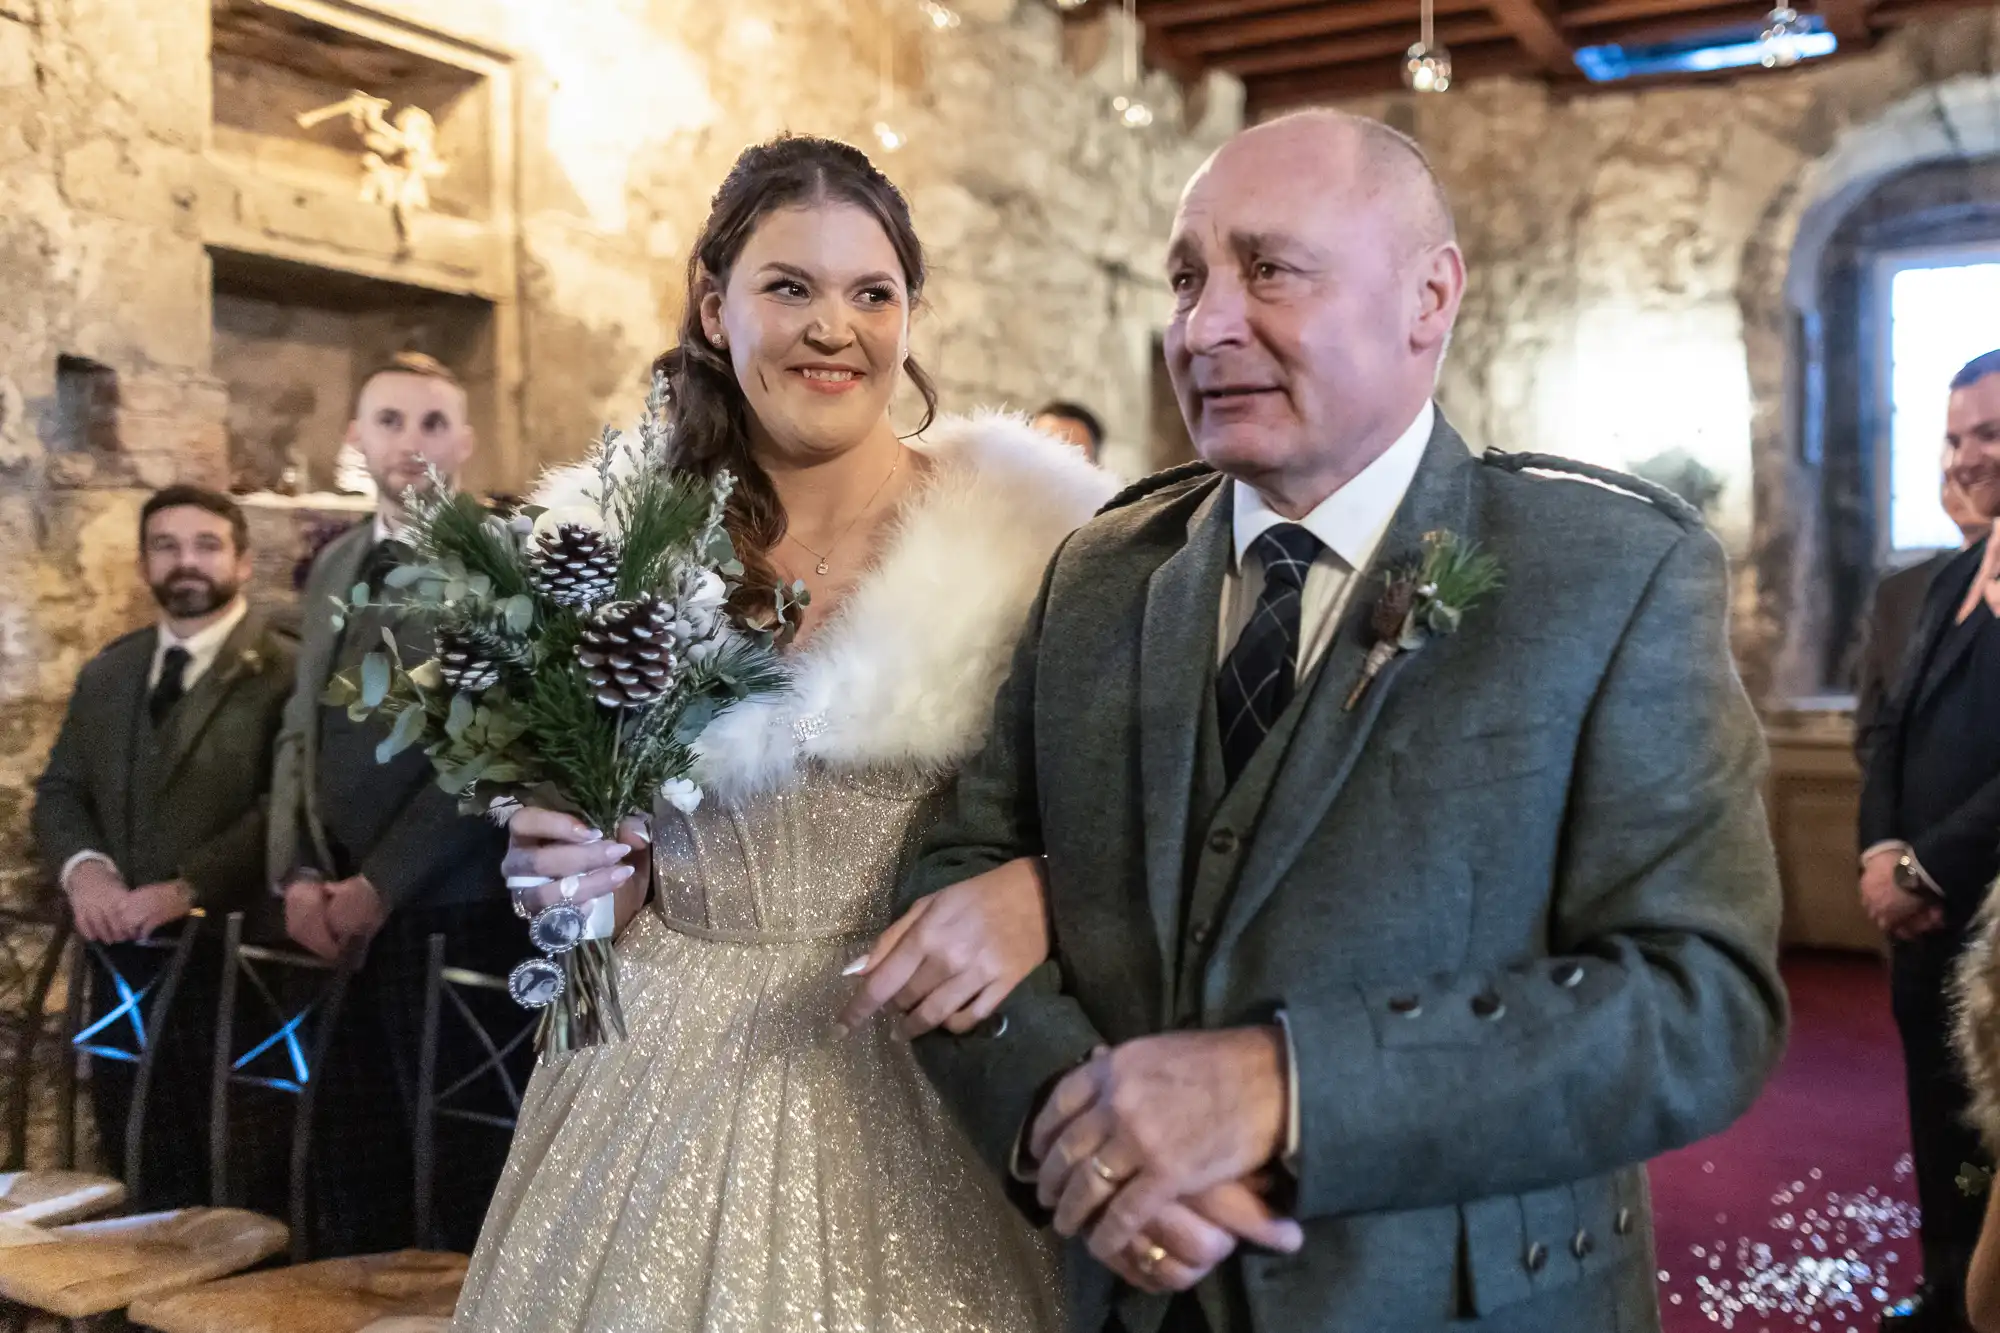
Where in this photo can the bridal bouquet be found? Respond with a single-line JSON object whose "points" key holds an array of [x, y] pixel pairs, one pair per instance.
{"points": [[580, 651]]}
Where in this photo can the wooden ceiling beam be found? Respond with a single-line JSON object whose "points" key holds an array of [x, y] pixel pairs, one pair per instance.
{"points": [[1642, 32], [1537, 28], [1895, 13], [1303, 25], [1848, 21], [1179, 13], [1597, 12], [1385, 42], [1320, 86]]}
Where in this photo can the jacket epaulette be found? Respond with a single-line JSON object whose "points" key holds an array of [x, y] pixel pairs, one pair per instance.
{"points": [[1159, 481], [1662, 499]]}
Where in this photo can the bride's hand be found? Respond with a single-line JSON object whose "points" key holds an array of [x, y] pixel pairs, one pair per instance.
{"points": [[950, 960], [550, 845]]}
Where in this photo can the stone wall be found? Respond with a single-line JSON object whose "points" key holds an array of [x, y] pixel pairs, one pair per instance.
{"points": [[1045, 223], [1629, 256]]}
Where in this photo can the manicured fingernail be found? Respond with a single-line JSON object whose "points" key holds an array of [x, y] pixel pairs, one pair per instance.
{"points": [[855, 968], [838, 1031], [643, 830], [614, 851], [592, 835], [619, 874]]}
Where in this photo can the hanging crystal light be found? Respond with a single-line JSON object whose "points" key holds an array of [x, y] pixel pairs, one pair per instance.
{"points": [[1131, 110], [941, 16], [1427, 65], [886, 134], [1780, 41]]}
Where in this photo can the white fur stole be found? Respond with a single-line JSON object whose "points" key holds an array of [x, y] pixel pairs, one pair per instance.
{"points": [[904, 676]]}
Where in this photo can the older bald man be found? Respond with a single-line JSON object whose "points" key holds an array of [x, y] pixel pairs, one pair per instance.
{"points": [[1431, 936]]}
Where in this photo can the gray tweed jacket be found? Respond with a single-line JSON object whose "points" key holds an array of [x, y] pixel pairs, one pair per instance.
{"points": [[1520, 907]]}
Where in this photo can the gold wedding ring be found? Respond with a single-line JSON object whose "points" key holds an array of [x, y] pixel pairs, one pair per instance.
{"points": [[1150, 1259], [1103, 1172]]}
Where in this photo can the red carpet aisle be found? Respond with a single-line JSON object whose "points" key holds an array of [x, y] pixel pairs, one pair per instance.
{"points": [[1803, 1215]]}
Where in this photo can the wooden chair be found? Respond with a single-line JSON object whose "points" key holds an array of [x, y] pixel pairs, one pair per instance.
{"points": [[90, 1269], [407, 1291], [32, 948]]}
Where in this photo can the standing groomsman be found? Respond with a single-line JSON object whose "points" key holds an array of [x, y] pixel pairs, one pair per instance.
{"points": [[153, 805], [1930, 806], [373, 858]]}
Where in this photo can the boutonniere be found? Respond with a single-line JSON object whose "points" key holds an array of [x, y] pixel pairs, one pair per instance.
{"points": [[1424, 598]]}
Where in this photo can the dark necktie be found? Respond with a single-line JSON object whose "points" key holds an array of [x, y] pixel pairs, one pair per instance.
{"points": [[172, 685], [1255, 684], [384, 556]]}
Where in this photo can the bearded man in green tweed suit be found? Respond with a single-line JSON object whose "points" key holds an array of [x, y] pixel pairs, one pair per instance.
{"points": [[1432, 965]]}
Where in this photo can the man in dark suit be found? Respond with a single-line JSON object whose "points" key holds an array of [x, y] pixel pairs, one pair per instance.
{"points": [[1441, 958], [375, 858], [1930, 839], [1892, 618], [152, 805]]}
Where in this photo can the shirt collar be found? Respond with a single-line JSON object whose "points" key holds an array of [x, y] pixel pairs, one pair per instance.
{"points": [[386, 533], [1352, 520], [206, 643]]}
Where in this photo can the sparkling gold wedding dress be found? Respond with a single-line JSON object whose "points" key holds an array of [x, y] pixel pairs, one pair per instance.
{"points": [[732, 1165]]}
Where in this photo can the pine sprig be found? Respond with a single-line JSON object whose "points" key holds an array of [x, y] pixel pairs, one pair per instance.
{"points": [[663, 514], [1459, 572], [452, 525]]}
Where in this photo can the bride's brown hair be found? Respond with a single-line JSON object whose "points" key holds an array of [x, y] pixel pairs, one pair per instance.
{"points": [[711, 417]]}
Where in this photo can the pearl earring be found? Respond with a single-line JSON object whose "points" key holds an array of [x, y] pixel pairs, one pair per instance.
{"points": [[722, 340]]}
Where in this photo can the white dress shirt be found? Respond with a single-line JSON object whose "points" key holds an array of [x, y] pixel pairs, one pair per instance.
{"points": [[1350, 524], [203, 647]]}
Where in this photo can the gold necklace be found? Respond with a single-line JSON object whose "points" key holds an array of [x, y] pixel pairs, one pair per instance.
{"points": [[820, 568]]}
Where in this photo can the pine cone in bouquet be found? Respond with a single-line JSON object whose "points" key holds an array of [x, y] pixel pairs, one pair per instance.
{"points": [[628, 652], [575, 565], [470, 657]]}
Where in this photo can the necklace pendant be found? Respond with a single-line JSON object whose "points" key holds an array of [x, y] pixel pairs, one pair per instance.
{"points": [[820, 568]]}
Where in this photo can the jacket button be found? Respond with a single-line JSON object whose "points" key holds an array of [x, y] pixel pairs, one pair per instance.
{"points": [[1488, 1005], [1537, 1257], [1202, 930], [1409, 1006], [1567, 975], [1623, 1224], [1222, 842], [1581, 1245]]}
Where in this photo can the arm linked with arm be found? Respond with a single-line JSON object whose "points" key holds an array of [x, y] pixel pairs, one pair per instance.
{"points": [[994, 1082]]}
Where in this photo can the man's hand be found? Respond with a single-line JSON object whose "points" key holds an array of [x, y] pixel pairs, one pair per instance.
{"points": [[305, 918], [354, 910], [152, 906], [97, 896], [1158, 1119], [1896, 912], [1191, 1236]]}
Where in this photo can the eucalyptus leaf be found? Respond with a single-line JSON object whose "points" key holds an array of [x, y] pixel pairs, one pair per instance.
{"points": [[456, 589], [731, 568], [339, 622], [459, 717], [402, 576], [374, 680], [357, 596], [694, 719], [427, 676], [506, 770], [520, 613], [481, 586], [456, 780], [359, 712], [409, 725]]}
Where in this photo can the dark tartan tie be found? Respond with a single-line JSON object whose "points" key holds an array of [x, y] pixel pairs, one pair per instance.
{"points": [[1256, 680], [173, 684]]}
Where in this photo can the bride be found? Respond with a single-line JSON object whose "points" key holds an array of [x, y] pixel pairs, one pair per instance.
{"points": [[738, 1163]]}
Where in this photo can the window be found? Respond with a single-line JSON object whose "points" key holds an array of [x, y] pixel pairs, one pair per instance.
{"points": [[1938, 318]]}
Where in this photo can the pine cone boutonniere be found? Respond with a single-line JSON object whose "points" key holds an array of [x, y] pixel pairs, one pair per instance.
{"points": [[1423, 598]]}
